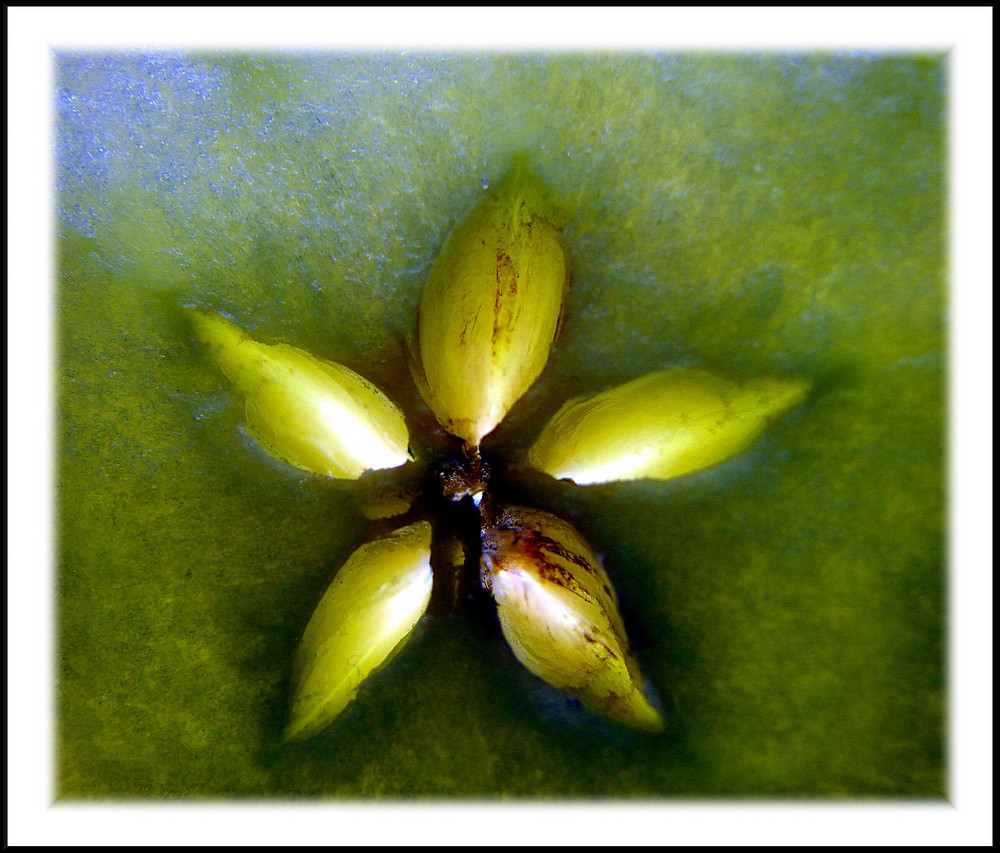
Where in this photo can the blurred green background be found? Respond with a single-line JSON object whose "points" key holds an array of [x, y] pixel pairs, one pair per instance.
{"points": [[751, 213]]}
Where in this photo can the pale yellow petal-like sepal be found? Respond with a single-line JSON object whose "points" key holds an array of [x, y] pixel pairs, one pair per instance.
{"points": [[660, 426], [491, 307], [363, 619], [559, 614], [316, 415]]}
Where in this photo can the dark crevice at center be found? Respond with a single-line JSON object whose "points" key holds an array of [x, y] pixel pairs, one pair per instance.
{"points": [[457, 489]]}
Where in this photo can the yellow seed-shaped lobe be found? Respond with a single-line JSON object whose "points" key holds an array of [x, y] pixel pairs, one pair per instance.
{"points": [[491, 307], [363, 619], [660, 426], [559, 614], [317, 415]]}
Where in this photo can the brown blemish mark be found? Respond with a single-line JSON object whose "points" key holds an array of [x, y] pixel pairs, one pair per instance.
{"points": [[467, 328], [540, 542], [506, 284], [505, 273]]}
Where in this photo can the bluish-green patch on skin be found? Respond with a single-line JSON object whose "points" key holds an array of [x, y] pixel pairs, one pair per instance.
{"points": [[751, 214]]}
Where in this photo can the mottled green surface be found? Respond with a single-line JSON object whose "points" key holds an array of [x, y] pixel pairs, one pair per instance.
{"points": [[753, 214]]}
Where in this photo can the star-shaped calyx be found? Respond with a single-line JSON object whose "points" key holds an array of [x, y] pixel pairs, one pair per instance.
{"points": [[489, 314]]}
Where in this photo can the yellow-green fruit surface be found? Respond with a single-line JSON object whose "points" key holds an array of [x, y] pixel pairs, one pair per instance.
{"points": [[660, 426], [316, 415], [559, 614], [491, 308], [363, 619]]}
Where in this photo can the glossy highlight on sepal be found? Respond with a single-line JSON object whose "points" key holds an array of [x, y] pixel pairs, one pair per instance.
{"points": [[365, 617], [559, 614], [660, 426], [491, 307], [317, 415]]}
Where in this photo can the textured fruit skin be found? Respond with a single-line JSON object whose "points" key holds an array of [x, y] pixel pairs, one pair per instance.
{"points": [[491, 308], [559, 614], [365, 616], [319, 416], [660, 426]]}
